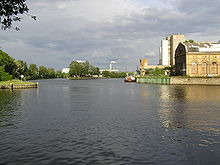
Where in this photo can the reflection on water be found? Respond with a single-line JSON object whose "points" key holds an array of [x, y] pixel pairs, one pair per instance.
{"points": [[9, 102], [195, 107], [109, 122]]}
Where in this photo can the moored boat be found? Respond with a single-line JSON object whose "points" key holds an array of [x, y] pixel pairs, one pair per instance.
{"points": [[130, 79]]}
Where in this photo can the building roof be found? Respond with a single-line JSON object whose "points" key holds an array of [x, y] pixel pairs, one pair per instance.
{"points": [[202, 47]]}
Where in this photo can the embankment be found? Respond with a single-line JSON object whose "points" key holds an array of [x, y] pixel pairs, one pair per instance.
{"points": [[18, 85], [180, 80]]}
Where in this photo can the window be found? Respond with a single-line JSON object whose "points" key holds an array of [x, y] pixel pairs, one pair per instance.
{"points": [[204, 68], [194, 68], [214, 68]]}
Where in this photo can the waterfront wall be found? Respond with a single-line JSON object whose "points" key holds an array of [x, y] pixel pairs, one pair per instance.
{"points": [[180, 80], [195, 81], [18, 86], [153, 80]]}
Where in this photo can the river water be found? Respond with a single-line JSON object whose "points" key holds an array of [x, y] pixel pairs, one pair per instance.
{"points": [[107, 121]]}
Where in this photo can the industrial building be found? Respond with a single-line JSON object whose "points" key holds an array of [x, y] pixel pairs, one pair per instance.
{"points": [[168, 47], [198, 59]]}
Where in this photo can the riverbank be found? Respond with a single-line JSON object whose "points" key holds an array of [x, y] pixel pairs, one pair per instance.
{"points": [[180, 80], [17, 84]]}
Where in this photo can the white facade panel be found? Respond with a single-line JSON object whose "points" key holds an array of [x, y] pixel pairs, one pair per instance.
{"points": [[164, 52]]}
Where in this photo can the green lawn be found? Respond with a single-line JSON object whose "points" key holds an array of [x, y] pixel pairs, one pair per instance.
{"points": [[15, 82]]}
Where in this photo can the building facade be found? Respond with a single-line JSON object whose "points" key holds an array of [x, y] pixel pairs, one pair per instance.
{"points": [[164, 54], [198, 59], [168, 47], [143, 66]]}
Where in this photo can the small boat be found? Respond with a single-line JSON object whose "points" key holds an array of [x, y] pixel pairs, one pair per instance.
{"points": [[130, 79]]}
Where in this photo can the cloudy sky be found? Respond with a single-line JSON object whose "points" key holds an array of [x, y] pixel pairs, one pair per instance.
{"points": [[103, 30]]}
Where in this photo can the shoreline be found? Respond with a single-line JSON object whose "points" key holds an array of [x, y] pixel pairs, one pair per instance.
{"points": [[17, 84], [179, 80]]}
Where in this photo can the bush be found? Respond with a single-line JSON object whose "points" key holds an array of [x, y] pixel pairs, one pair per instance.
{"points": [[3, 75]]}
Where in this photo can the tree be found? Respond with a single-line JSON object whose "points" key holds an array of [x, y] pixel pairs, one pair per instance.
{"points": [[10, 11], [156, 72], [51, 73], [113, 74], [33, 72], [75, 69], [4, 75], [43, 72], [94, 70], [189, 41], [22, 68], [85, 68], [8, 63]]}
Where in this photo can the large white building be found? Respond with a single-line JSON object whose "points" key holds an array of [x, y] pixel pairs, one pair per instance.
{"points": [[164, 53], [168, 47]]}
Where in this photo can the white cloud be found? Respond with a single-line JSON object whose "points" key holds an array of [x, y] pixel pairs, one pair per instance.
{"points": [[102, 30]]}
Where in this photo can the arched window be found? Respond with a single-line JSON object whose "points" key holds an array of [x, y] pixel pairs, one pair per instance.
{"points": [[194, 68], [214, 68], [204, 68]]}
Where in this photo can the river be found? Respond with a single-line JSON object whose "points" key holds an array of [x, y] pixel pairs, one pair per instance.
{"points": [[109, 122]]}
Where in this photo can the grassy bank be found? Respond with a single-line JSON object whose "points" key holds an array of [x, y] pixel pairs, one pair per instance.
{"points": [[15, 82]]}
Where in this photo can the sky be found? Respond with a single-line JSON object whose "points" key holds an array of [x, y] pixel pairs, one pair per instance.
{"points": [[100, 31]]}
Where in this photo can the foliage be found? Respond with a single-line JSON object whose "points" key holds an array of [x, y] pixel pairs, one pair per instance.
{"points": [[155, 72], [82, 69], [11, 68], [113, 74], [10, 11], [4, 76], [94, 70], [33, 72], [189, 41], [8, 63], [22, 67], [75, 69]]}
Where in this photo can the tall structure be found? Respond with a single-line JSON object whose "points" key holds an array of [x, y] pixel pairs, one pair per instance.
{"points": [[168, 47], [111, 65], [164, 53], [198, 59], [143, 66]]}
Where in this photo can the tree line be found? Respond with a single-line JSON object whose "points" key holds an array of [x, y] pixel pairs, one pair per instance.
{"points": [[85, 69], [13, 69], [82, 69], [113, 74]]}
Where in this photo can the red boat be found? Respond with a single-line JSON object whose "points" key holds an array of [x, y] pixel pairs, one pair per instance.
{"points": [[130, 79]]}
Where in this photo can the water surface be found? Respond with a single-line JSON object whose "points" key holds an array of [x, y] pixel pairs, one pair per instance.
{"points": [[108, 121]]}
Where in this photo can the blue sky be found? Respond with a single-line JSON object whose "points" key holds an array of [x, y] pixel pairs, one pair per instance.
{"points": [[102, 30]]}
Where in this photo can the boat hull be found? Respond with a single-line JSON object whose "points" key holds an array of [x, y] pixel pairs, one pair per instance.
{"points": [[130, 79]]}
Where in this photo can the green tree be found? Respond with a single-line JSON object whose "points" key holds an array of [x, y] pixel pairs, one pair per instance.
{"points": [[189, 41], [94, 70], [75, 69], [59, 74], [85, 68], [4, 76], [8, 63], [10, 11], [51, 73], [113, 74], [106, 73], [43, 72], [21, 69], [156, 72], [33, 72]]}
